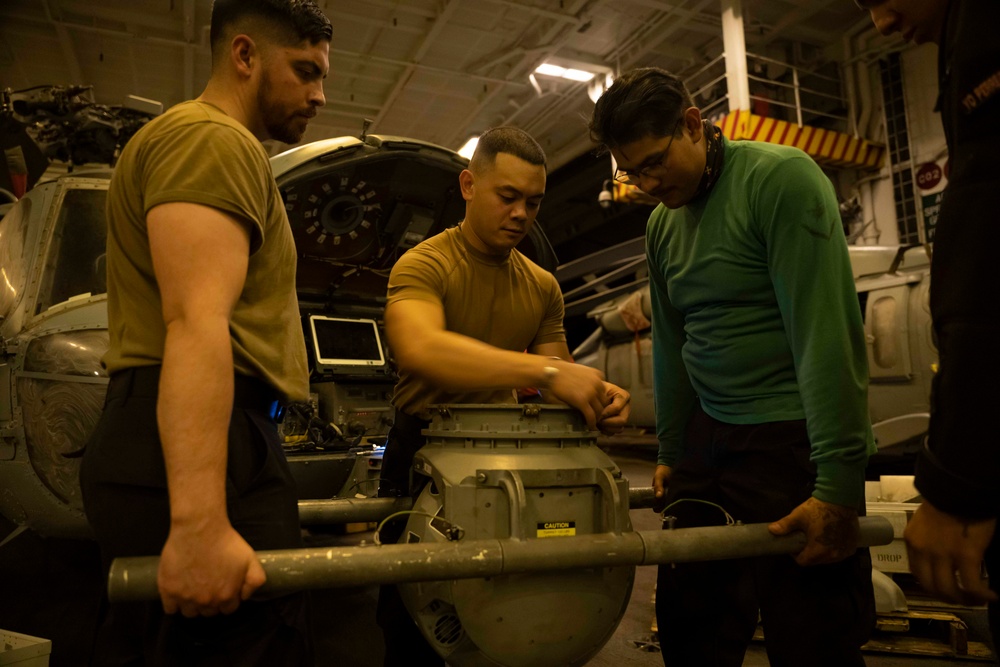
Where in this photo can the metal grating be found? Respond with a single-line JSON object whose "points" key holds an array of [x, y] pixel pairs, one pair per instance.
{"points": [[448, 629]]}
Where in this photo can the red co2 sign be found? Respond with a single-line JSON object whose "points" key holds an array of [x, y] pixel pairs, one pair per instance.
{"points": [[928, 176]]}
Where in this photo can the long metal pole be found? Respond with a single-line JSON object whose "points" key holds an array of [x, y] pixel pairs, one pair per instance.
{"points": [[288, 570], [351, 510]]}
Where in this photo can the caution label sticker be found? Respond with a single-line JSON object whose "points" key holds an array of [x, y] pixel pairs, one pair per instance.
{"points": [[556, 529]]}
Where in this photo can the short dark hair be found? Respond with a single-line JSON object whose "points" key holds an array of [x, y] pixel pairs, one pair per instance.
{"points": [[284, 22], [506, 139], [643, 102]]}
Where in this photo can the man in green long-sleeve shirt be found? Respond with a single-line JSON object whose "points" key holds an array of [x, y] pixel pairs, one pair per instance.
{"points": [[760, 379]]}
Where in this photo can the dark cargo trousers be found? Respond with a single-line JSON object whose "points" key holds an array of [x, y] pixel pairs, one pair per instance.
{"points": [[125, 497], [707, 612]]}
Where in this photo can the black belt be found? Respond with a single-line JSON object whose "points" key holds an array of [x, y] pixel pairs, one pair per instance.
{"points": [[248, 392]]}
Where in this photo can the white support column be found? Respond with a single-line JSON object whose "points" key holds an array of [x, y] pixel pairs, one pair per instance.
{"points": [[734, 43]]}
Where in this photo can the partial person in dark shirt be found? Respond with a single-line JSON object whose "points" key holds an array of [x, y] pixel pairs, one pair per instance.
{"points": [[953, 532]]}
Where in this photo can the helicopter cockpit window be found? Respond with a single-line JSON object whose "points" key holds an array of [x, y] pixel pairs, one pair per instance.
{"points": [[76, 260], [13, 262]]}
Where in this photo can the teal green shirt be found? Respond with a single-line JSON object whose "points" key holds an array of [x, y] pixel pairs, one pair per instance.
{"points": [[755, 313]]}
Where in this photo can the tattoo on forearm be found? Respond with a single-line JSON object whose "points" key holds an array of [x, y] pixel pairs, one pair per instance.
{"points": [[839, 526]]}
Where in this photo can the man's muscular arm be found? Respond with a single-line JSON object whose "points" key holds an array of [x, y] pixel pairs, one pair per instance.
{"points": [[423, 346], [200, 257]]}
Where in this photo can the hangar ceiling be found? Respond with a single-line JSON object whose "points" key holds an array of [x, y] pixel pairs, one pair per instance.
{"points": [[436, 70]]}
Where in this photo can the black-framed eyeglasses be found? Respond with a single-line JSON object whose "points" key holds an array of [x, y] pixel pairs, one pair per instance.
{"points": [[648, 170]]}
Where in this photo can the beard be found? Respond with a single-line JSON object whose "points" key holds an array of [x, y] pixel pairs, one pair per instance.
{"points": [[279, 124]]}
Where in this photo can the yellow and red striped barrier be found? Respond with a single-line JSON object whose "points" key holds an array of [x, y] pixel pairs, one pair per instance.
{"points": [[827, 147]]}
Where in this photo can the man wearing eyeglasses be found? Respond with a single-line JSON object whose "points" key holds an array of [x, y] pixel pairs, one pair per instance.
{"points": [[760, 377], [953, 531]]}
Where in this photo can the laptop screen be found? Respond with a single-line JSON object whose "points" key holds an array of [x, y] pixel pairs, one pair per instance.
{"points": [[346, 345]]}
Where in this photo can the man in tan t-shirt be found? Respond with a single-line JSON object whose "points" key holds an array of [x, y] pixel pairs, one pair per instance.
{"points": [[205, 333], [462, 308]]}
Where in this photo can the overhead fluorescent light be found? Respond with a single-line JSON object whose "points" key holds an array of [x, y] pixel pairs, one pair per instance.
{"points": [[550, 70], [573, 70], [573, 74], [469, 147], [578, 75]]}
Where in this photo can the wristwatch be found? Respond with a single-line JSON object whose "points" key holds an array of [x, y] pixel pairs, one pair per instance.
{"points": [[549, 376]]}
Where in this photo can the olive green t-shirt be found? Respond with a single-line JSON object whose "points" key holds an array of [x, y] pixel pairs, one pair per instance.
{"points": [[196, 153], [507, 302]]}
